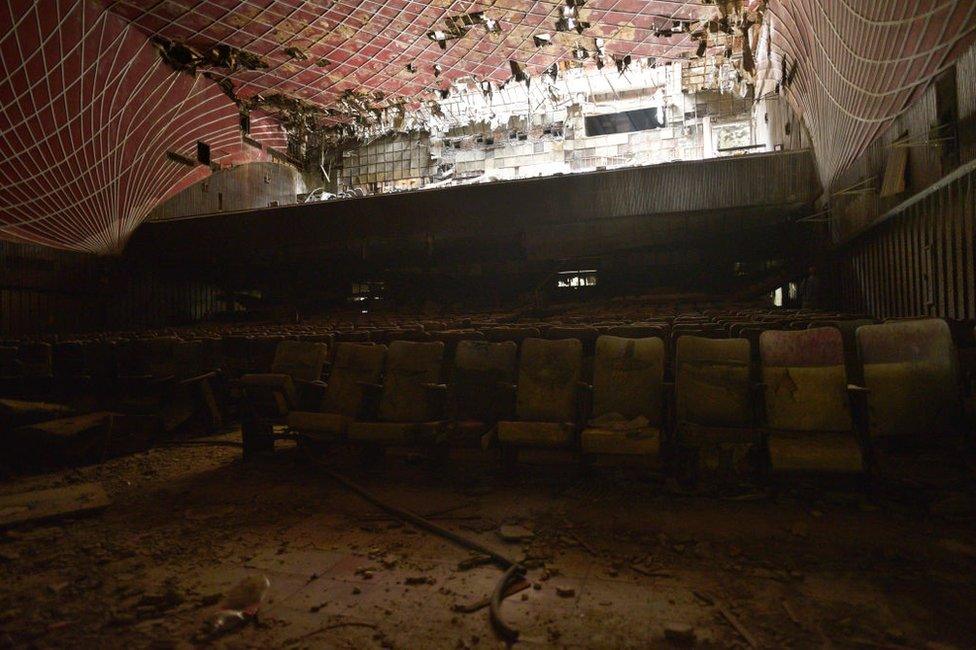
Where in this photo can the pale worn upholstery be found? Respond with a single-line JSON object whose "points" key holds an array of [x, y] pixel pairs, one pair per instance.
{"points": [[910, 372], [481, 369], [807, 408], [712, 382], [547, 394], [548, 381], [804, 379], [300, 360], [411, 366], [628, 376], [355, 364], [406, 414], [273, 393]]}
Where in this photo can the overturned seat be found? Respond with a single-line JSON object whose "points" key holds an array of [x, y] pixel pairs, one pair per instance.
{"points": [[911, 377], [356, 365], [547, 405], [411, 405], [482, 391], [628, 399], [808, 408]]}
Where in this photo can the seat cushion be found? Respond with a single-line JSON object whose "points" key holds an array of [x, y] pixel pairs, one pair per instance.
{"points": [[467, 433], [322, 426], [15, 413], [398, 433], [815, 452], [645, 441], [536, 434]]}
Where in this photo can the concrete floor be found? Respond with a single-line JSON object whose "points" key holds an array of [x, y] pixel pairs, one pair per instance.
{"points": [[617, 559]]}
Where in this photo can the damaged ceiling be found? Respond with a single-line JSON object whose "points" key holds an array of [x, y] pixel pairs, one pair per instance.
{"points": [[103, 104]]}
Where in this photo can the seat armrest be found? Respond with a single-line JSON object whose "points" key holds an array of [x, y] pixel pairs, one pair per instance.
{"points": [[669, 407], [858, 398], [198, 378], [310, 394], [506, 399], [584, 403], [370, 406], [436, 399]]}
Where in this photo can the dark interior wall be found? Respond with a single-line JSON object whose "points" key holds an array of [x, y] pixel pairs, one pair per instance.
{"points": [[701, 225], [47, 291]]}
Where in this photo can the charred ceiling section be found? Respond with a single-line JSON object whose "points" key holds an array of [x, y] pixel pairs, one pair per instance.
{"points": [[344, 72], [103, 104]]}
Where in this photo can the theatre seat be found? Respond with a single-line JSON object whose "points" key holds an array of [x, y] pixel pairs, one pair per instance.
{"points": [[411, 405], [295, 369], [713, 391], [911, 377], [717, 437], [356, 365], [808, 410], [482, 391], [628, 399], [547, 397]]}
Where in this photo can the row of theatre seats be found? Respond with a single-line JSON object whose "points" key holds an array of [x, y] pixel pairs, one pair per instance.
{"points": [[817, 393], [619, 380]]}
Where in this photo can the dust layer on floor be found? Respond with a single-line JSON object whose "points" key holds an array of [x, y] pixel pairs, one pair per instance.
{"points": [[616, 560]]}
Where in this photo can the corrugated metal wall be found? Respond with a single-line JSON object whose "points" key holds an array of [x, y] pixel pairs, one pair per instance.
{"points": [[919, 262], [46, 291]]}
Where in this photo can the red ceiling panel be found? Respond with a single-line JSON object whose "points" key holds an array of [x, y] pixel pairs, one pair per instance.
{"points": [[89, 110], [88, 114]]}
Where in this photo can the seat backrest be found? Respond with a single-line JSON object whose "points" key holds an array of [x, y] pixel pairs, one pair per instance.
{"points": [[517, 334], [548, 380], [847, 328], [68, 358], [805, 384], [480, 367], [910, 373], [355, 363], [628, 376], [263, 351], [35, 359], [639, 331], [9, 367], [235, 352], [300, 360], [712, 379], [410, 366]]}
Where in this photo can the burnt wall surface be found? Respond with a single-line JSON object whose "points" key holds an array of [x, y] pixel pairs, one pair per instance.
{"points": [[920, 259], [930, 139], [244, 187], [45, 291], [688, 223], [602, 209]]}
